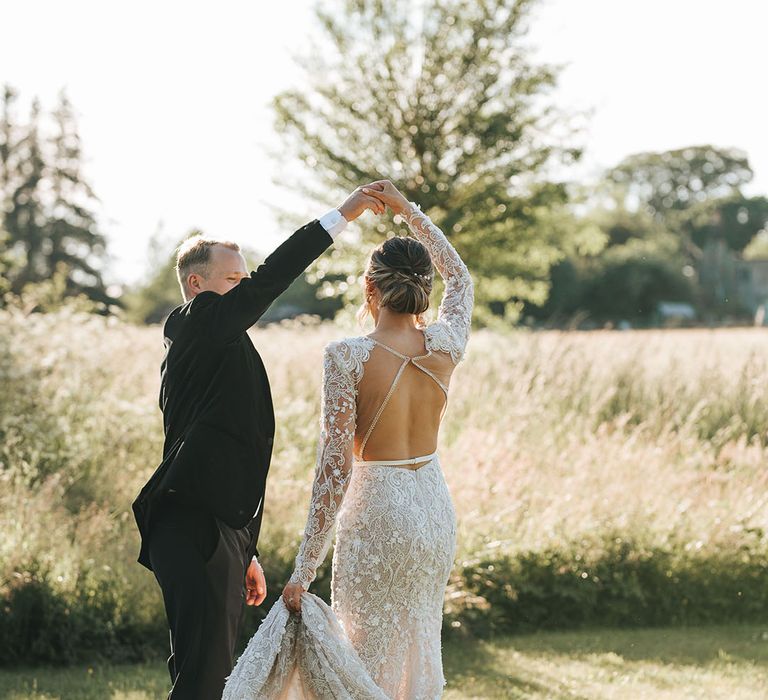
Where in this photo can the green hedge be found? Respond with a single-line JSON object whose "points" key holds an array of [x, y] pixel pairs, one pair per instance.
{"points": [[608, 582], [41, 623], [613, 583]]}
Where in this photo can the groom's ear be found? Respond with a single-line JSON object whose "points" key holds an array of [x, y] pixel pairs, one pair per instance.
{"points": [[193, 284]]}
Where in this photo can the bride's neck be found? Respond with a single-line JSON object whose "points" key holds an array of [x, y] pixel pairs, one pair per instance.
{"points": [[390, 321]]}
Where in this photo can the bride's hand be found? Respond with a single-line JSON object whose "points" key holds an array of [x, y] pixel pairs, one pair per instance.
{"points": [[387, 193], [358, 202], [292, 596]]}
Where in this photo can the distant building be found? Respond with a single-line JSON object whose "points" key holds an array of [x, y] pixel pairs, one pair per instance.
{"points": [[675, 312], [727, 281], [752, 283]]}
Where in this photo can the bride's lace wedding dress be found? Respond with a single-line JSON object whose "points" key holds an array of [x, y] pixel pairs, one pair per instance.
{"points": [[396, 527]]}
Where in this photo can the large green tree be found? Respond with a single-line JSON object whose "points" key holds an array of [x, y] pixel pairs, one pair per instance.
{"points": [[673, 222], [735, 220], [444, 99], [689, 191], [638, 265], [47, 205]]}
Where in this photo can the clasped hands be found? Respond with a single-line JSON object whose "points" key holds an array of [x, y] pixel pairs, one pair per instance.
{"points": [[376, 197]]}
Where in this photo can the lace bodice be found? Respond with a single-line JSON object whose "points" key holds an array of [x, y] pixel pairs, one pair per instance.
{"points": [[343, 423]]}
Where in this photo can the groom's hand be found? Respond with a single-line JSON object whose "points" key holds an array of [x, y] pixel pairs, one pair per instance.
{"points": [[255, 584], [358, 202]]}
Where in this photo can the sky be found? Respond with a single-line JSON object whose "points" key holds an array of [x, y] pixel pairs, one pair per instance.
{"points": [[173, 98]]}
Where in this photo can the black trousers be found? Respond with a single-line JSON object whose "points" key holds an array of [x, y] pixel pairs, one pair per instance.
{"points": [[200, 564]]}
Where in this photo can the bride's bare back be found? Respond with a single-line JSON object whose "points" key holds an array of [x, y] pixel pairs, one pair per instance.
{"points": [[401, 399]]}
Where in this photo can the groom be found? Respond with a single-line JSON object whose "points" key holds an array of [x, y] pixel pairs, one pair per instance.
{"points": [[200, 513]]}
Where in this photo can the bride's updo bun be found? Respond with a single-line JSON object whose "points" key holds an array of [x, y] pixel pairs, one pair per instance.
{"points": [[401, 270]]}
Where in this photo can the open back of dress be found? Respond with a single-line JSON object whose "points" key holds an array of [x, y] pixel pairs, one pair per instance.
{"points": [[400, 402]]}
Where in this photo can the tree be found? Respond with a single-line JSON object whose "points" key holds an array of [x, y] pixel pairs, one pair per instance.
{"points": [[679, 188], [735, 220], [677, 180], [47, 211], [443, 99], [72, 228], [628, 282], [695, 195], [638, 265], [23, 169]]}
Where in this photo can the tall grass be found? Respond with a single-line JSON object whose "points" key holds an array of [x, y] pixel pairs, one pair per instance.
{"points": [[657, 433], [552, 442]]}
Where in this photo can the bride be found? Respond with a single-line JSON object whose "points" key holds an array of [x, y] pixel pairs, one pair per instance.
{"points": [[384, 395]]}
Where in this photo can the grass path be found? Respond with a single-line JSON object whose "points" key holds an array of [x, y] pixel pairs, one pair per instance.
{"points": [[711, 662], [680, 664]]}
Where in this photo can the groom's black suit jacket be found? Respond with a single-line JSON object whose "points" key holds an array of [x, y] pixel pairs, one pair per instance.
{"points": [[217, 407]]}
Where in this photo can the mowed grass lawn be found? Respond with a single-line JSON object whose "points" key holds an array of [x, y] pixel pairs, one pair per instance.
{"points": [[668, 664]]}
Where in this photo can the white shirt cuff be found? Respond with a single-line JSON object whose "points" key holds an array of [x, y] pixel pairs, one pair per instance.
{"points": [[333, 222]]}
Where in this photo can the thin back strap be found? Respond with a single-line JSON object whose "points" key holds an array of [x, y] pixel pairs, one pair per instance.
{"points": [[383, 404], [406, 359], [399, 354], [426, 371], [415, 364]]}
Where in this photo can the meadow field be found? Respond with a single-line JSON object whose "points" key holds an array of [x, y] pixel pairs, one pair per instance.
{"points": [[612, 479]]}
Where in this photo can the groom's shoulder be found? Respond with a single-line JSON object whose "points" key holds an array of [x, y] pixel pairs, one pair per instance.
{"points": [[182, 314]]}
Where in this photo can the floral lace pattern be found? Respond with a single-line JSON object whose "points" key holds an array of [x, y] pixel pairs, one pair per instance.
{"points": [[454, 316], [342, 368], [395, 544], [394, 552], [300, 657]]}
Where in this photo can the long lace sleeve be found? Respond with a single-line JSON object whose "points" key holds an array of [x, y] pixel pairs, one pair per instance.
{"points": [[334, 463], [454, 316]]}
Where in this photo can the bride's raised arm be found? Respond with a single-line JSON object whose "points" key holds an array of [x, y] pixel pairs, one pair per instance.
{"points": [[455, 308], [455, 311], [334, 464]]}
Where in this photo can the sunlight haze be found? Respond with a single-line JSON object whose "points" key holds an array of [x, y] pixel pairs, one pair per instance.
{"points": [[173, 98]]}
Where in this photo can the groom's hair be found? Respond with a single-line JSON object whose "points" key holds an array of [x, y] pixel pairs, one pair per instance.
{"points": [[194, 255]]}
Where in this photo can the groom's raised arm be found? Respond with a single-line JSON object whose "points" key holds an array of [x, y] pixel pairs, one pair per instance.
{"points": [[229, 315]]}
